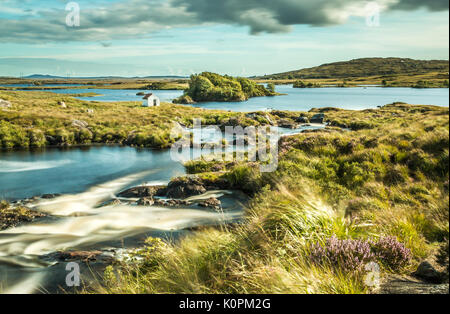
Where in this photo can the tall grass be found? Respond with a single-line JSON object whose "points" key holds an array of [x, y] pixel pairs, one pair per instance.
{"points": [[370, 185]]}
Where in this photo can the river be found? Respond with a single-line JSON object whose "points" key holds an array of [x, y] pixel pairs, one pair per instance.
{"points": [[87, 176]]}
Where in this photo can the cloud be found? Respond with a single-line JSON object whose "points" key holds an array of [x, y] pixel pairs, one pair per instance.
{"points": [[139, 18], [432, 5]]}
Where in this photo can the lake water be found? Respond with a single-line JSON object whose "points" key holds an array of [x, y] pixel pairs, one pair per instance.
{"points": [[112, 95], [26, 173], [297, 99]]}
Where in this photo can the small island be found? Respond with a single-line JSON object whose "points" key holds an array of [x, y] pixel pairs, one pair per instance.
{"points": [[209, 86]]}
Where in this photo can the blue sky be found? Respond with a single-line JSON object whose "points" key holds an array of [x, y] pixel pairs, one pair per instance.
{"points": [[180, 37]]}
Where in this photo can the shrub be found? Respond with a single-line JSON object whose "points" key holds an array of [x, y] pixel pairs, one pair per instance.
{"points": [[346, 255], [391, 253]]}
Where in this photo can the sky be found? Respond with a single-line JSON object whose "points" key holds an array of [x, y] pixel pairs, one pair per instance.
{"points": [[236, 37]]}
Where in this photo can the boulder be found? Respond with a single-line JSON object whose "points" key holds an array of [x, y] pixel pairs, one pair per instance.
{"points": [[318, 118], [287, 124], [302, 120], [185, 187], [428, 273], [143, 192], [211, 203]]}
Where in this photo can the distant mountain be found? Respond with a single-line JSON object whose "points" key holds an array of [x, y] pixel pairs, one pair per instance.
{"points": [[51, 77], [43, 77], [365, 67]]}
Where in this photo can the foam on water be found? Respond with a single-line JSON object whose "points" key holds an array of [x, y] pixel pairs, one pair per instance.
{"points": [[15, 166], [83, 225]]}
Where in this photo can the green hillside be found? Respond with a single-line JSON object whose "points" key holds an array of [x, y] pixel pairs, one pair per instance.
{"points": [[366, 67]]}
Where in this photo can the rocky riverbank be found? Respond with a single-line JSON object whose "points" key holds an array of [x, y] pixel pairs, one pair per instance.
{"points": [[12, 215]]}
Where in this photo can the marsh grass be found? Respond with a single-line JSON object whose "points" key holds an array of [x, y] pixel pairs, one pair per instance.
{"points": [[36, 120], [385, 181]]}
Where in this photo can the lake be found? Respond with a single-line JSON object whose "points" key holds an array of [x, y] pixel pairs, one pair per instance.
{"points": [[28, 173], [298, 99]]}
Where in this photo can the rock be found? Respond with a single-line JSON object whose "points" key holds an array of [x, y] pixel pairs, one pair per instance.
{"points": [[171, 203], [287, 124], [318, 118], [80, 124], [211, 203], [50, 196], [62, 104], [396, 284], [112, 202], [255, 115], [184, 100], [79, 255], [5, 104], [302, 120], [90, 111], [269, 119], [185, 187], [140, 94], [146, 201], [428, 273], [143, 191]]}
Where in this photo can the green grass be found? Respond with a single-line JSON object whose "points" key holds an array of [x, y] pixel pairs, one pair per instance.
{"points": [[36, 120], [388, 177]]}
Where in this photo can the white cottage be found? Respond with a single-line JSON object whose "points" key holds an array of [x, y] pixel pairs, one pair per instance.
{"points": [[151, 100]]}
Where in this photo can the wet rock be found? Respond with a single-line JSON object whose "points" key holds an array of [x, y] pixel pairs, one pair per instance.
{"points": [[318, 118], [146, 201], [428, 273], [287, 124], [143, 191], [12, 215], [171, 203], [181, 188], [50, 196], [113, 202], [84, 256], [212, 202], [302, 120]]}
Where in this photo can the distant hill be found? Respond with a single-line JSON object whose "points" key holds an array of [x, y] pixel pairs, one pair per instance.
{"points": [[365, 67], [51, 77]]}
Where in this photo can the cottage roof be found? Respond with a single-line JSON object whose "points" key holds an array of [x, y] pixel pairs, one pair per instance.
{"points": [[147, 96]]}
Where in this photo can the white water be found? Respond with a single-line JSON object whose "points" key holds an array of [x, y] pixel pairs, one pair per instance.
{"points": [[16, 166], [82, 225]]}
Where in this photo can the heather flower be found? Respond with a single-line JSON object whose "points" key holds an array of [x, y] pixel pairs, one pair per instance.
{"points": [[392, 253], [347, 255]]}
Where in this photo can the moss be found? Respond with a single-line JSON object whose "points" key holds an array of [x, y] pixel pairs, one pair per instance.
{"points": [[12, 216]]}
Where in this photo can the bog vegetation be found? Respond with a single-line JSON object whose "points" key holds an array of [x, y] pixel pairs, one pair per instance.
{"points": [[339, 199], [39, 119], [209, 86]]}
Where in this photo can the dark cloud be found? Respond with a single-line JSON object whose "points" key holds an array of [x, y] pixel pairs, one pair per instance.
{"points": [[138, 18], [432, 5]]}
